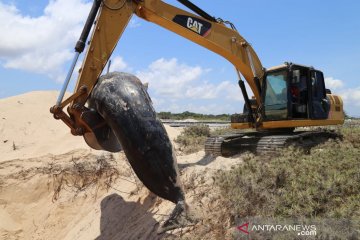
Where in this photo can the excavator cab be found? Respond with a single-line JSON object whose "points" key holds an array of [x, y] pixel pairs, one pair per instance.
{"points": [[295, 92], [292, 96]]}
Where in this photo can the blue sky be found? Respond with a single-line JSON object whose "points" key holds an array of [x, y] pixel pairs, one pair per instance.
{"points": [[38, 37]]}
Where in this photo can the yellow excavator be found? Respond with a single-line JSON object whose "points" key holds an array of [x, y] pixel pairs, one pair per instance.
{"points": [[114, 112]]}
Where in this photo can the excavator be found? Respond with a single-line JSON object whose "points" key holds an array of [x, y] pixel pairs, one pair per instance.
{"points": [[114, 112]]}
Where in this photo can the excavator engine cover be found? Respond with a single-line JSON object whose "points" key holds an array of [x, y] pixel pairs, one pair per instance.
{"points": [[122, 100]]}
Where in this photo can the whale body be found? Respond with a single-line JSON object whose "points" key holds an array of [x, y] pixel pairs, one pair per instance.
{"points": [[122, 100]]}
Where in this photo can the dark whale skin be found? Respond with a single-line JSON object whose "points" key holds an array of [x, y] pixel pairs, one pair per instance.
{"points": [[124, 103]]}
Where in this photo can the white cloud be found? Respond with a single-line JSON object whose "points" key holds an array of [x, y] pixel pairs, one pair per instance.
{"points": [[169, 78], [225, 89], [118, 64], [208, 91], [44, 45], [333, 84], [350, 96], [178, 87], [134, 22], [41, 44], [219, 107]]}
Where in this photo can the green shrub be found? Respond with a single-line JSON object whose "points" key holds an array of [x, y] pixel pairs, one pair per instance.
{"points": [[321, 187], [192, 138], [221, 131], [324, 184], [352, 135]]}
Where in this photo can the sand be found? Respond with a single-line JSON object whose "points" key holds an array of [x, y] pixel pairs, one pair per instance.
{"points": [[36, 150], [27, 124]]}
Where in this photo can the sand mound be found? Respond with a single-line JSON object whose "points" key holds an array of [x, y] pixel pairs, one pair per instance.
{"points": [[27, 129], [28, 209], [122, 210], [52, 186]]}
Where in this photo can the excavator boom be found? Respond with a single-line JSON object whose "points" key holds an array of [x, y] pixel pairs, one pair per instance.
{"points": [[215, 36], [113, 17]]}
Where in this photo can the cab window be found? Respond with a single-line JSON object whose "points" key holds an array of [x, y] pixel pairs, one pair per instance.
{"points": [[276, 95]]}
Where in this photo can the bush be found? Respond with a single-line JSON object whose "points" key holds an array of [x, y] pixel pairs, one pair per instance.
{"points": [[322, 184], [352, 135], [222, 131], [192, 138]]}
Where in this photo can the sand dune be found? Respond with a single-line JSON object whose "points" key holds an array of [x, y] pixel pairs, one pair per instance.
{"points": [[43, 197], [26, 123]]}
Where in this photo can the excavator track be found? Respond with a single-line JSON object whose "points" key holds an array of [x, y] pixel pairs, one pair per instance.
{"points": [[271, 144], [230, 144], [265, 143], [213, 146]]}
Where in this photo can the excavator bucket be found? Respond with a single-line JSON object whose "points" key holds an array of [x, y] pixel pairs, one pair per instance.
{"points": [[101, 136], [123, 102]]}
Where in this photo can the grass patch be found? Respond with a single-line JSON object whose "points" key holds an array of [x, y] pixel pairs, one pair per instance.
{"points": [[192, 138], [322, 184], [222, 131]]}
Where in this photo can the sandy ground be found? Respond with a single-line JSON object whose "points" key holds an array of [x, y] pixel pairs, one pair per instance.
{"points": [[40, 198], [27, 124]]}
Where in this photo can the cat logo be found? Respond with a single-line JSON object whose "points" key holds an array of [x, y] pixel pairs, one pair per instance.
{"points": [[196, 25]]}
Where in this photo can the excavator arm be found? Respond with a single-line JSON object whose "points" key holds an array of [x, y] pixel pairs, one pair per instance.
{"points": [[112, 17]]}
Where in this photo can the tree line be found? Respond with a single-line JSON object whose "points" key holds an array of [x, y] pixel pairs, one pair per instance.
{"points": [[196, 116]]}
